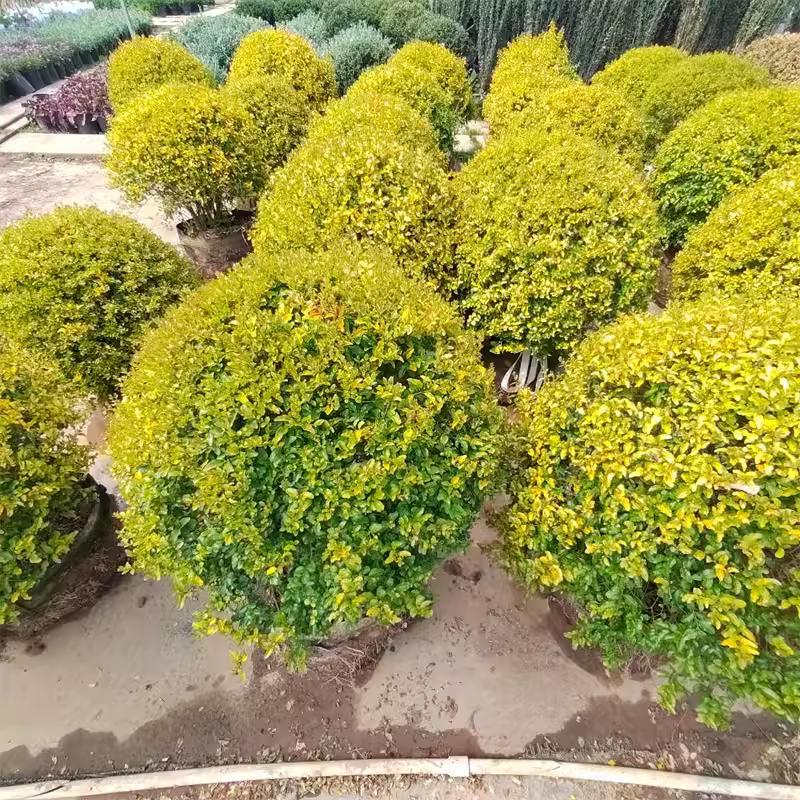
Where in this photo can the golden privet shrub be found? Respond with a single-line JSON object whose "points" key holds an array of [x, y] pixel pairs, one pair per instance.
{"points": [[527, 70], [727, 144], [659, 492], [555, 236], [82, 286], [146, 63], [195, 149], [280, 113], [306, 438], [690, 84], [42, 469], [598, 112], [420, 89], [364, 185], [750, 242], [634, 72], [446, 67], [279, 52], [779, 55]]}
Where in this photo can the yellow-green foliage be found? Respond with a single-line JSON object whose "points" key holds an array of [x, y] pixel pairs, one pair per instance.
{"points": [[728, 143], [635, 71], [556, 235], [598, 112], [449, 70], [306, 437], [527, 69], [690, 84], [82, 286], [659, 492], [279, 52], [279, 112], [751, 242], [143, 64], [194, 148], [41, 470], [386, 112], [779, 55], [365, 185], [420, 89]]}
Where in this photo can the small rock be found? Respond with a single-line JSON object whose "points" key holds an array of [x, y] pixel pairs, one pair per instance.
{"points": [[289, 705]]}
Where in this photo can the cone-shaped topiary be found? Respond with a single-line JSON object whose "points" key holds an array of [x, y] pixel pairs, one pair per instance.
{"points": [[779, 55], [279, 112], [82, 286], [659, 493], [556, 236], [751, 242], [280, 52], [42, 468], [307, 438], [420, 88], [527, 69], [355, 49], [143, 64], [690, 84], [364, 185], [448, 69], [196, 149], [728, 143], [634, 72], [598, 112]]}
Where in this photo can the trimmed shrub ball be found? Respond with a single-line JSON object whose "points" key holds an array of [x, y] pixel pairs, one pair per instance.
{"points": [[145, 63], [309, 25], [365, 185], [597, 112], [527, 70], [448, 69], [279, 52], [262, 9], [44, 498], [540, 267], [751, 242], [82, 286], [196, 149], [355, 49], [635, 71], [658, 492], [279, 112], [779, 55], [690, 84], [341, 14], [306, 438], [449, 33], [727, 144]]}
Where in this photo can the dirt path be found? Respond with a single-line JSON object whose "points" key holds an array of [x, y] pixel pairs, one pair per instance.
{"points": [[127, 686]]}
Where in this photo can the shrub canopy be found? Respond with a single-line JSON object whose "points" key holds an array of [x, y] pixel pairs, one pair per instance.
{"points": [[659, 493], [727, 144], [213, 40], [195, 149], [364, 185], [751, 242], [690, 84], [41, 471], [539, 268], [779, 55], [142, 64], [82, 286], [597, 112], [438, 29], [329, 441], [289, 55], [635, 71], [527, 70], [355, 49], [263, 9], [279, 112], [341, 14], [309, 25]]}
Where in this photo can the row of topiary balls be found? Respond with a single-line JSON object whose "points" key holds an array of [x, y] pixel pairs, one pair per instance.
{"points": [[656, 484]]}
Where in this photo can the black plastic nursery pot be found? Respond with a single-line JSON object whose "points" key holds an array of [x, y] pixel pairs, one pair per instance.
{"points": [[5, 93], [34, 78], [87, 58], [19, 86], [215, 251], [86, 124]]}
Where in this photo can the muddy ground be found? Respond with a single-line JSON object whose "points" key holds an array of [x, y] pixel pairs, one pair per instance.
{"points": [[127, 686]]}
